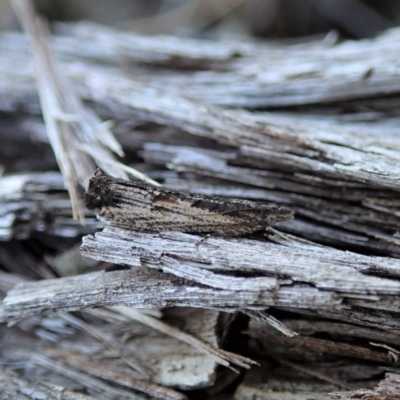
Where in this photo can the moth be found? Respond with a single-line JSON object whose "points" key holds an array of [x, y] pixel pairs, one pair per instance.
{"points": [[140, 206]]}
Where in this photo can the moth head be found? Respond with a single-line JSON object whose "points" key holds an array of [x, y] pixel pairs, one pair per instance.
{"points": [[99, 193]]}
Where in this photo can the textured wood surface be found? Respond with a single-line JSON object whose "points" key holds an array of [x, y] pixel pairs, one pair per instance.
{"points": [[282, 273], [234, 74], [314, 303]]}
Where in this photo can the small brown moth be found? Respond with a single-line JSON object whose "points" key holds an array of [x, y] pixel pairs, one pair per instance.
{"points": [[145, 207]]}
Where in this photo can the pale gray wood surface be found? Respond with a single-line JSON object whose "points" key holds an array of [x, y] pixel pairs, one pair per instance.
{"points": [[282, 272], [15, 387], [145, 290], [37, 202], [330, 159], [339, 170], [239, 74]]}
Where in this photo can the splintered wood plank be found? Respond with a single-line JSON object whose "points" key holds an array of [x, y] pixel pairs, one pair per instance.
{"points": [[292, 259], [37, 202], [302, 275], [145, 290], [311, 73], [14, 386]]}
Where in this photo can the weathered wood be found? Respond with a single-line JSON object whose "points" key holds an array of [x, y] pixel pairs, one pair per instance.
{"points": [[301, 276], [38, 202], [15, 387], [387, 389], [69, 123], [355, 208], [296, 75], [300, 348], [114, 341], [283, 256], [322, 157], [338, 310], [119, 377], [281, 141], [146, 290], [311, 360]]}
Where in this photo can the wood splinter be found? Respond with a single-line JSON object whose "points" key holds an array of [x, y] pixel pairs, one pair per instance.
{"points": [[140, 206]]}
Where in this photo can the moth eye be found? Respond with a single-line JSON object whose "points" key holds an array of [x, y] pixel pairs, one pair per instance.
{"points": [[163, 197]]}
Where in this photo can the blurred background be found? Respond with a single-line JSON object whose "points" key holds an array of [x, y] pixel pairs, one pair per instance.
{"points": [[225, 19]]}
